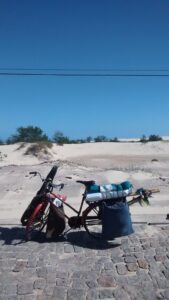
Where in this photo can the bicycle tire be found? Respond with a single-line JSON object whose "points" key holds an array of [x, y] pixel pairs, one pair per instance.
{"points": [[52, 173], [37, 221], [48, 178], [92, 221], [30, 209]]}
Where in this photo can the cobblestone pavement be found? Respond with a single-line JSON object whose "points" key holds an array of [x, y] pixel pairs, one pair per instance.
{"points": [[134, 267]]}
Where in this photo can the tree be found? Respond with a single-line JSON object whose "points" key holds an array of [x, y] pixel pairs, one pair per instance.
{"points": [[89, 139], [115, 140], [100, 138], [154, 138], [28, 134], [143, 139], [60, 139]]}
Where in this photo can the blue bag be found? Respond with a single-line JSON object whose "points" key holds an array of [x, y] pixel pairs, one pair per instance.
{"points": [[116, 220]]}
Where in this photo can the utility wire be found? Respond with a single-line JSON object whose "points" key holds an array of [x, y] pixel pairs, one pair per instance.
{"points": [[63, 72], [84, 70], [81, 74]]}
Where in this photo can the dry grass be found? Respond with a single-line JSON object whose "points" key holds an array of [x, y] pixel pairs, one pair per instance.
{"points": [[39, 148]]}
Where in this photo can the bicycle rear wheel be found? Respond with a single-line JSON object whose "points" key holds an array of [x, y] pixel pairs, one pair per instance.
{"points": [[92, 219], [37, 221]]}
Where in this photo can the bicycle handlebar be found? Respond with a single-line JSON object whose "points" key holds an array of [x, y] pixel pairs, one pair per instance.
{"points": [[33, 173], [142, 191], [47, 181]]}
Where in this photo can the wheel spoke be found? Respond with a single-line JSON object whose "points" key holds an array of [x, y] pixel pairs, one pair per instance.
{"points": [[93, 221]]}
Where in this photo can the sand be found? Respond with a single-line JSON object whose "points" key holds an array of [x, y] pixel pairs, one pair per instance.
{"points": [[145, 165]]}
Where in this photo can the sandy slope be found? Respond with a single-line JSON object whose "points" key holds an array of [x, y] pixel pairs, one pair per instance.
{"points": [[143, 164]]}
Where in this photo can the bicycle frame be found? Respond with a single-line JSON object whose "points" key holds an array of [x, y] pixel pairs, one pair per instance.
{"points": [[62, 198]]}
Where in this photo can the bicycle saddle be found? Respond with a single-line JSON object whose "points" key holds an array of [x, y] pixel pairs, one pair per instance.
{"points": [[87, 183]]}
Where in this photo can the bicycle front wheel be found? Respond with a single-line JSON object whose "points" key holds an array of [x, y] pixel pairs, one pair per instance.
{"points": [[50, 178], [37, 221], [92, 219], [52, 173]]}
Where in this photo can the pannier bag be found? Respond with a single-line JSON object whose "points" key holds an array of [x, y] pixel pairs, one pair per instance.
{"points": [[28, 212], [56, 222], [116, 220], [108, 191]]}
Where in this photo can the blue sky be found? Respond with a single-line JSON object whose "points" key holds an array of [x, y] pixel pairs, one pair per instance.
{"points": [[85, 34]]}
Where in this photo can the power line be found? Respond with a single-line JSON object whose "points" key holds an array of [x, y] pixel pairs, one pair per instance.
{"points": [[63, 72], [82, 74], [84, 69]]}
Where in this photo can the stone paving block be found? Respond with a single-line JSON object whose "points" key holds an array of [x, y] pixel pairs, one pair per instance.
{"points": [[166, 273], [121, 280], [9, 289], [50, 278], [142, 263], [32, 262], [43, 297], [97, 267], [78, 283], [39, 283], [106, 281], [117, 259], [165, 294], [27, 297], [59, 293], [68, 248], [132, 279], [78, 249], [91, 284], [106, 294], [109, 266], [48, 290], [132, 267], [130, 259], [41, 272], [62, 282], [25, 288], [143, 275], [161, 258], [29, 272], [61, 274], [121, 269], [120, 293], [92, 294], [135, 292], [73, 294]]}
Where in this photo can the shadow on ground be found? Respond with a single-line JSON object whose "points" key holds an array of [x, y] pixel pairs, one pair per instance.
{"points": [[16, 236]]}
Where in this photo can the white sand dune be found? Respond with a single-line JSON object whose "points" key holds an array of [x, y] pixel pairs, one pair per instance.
{"points": [[144, 165]]}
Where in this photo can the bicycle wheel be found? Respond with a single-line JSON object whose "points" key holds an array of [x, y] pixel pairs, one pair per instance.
{"points": [[50, 178], [52, 173], [37, 221], [92, 219]]}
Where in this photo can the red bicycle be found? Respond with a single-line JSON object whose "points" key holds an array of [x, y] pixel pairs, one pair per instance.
{"points": [[47, 203]]}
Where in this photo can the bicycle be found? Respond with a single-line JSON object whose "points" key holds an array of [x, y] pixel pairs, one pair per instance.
{"points": [[90, 218]]}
